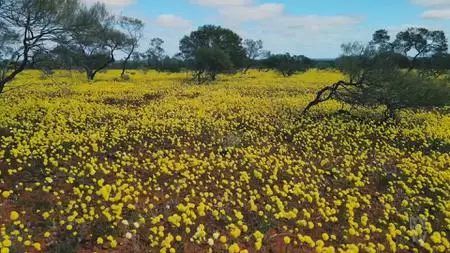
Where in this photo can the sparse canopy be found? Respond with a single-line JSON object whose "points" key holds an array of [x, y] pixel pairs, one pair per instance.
{"points": [[26, 27], [133, 28], [156, 54], [93, 46], [253, 50]]}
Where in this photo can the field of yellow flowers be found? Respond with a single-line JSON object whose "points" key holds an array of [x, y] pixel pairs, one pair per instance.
{"points": [[154, 164]]}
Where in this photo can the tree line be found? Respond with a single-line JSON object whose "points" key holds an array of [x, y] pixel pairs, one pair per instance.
{"points": [[408, 70], [67, 34]]}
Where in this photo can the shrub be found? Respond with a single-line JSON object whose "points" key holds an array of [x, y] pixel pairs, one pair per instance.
{"points": [[376, 77]]}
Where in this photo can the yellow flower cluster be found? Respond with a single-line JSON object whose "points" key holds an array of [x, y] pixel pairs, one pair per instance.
{"points": [[165, 166]]}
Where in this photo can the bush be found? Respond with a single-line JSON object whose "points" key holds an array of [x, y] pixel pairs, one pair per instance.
{"points": [[377, 77], [405, 90], [125, 78]]}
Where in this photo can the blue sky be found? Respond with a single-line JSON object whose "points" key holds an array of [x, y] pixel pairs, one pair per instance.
{"points": [[313, 28]]}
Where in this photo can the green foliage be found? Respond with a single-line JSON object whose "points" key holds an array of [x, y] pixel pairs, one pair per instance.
{"points": [[156, 58], [94, 40], [253, 50], [133, 28], [377, 75], [378, 78], [156, 54], [209, 62], [435, 67], [422, 40], [26, 27], [172, 65], [287, 64], [210, 36], [400, 90]]}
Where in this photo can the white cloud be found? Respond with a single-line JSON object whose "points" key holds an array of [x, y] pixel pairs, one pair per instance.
{"points": [[437, 9], [240, 14], [172, 22], [112, 3], [236, 12], [314, 23], [443, 14], [312, 35], [321, 43], [216, 3], [432, 3]]}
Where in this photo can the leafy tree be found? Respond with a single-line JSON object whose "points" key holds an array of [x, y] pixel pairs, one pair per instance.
{"points": [[420, 42], [253, 50], [381, 40], [133, 29], [93, 47], [209, 62], [26, 28], [210, 36], [376, 77], [288, 64], [156, 54]]}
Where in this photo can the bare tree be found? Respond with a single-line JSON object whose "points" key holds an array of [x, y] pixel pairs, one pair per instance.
{"points": [[26, 28], [133, 28]]}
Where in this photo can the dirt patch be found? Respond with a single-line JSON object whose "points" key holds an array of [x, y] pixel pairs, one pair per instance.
{"points": [[123, 102], [133, 102], [6, 132], [189, 95], [153, 96]]}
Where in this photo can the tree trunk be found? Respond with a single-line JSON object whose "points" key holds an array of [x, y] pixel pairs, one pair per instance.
{"points": [[125, 61], [213, 76], [2, 86], [23, 64], [390, 113], [90, 75], [10, 77], [198, 76], [124, 68], [332, 89]]}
